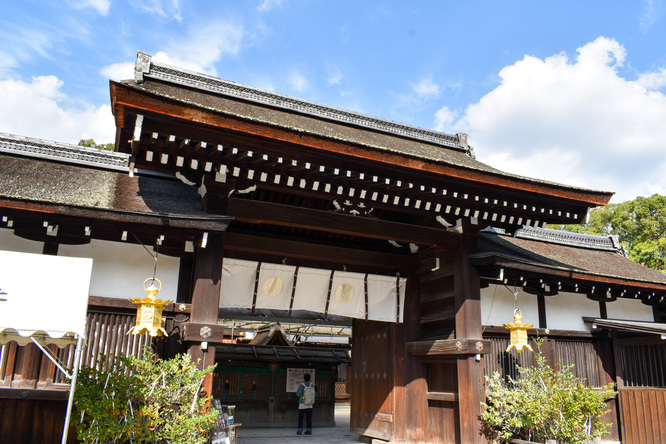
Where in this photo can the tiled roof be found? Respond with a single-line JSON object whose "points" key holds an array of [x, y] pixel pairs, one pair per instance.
{"points": [[581, 254]]}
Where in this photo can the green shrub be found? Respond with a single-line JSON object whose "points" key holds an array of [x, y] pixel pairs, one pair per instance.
{"points": [[544, 404], [143, 400]]}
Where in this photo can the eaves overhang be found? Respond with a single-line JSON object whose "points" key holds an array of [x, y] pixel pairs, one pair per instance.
{"points": [[129, 100], [627, 325]]}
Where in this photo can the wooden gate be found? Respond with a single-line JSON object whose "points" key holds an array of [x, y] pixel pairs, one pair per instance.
{"points": [[642, 390], [643, 415], [372, 402]]}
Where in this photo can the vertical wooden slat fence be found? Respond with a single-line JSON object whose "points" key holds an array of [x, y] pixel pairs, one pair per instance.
{"points": [[643, 392], [581, 353], [39, 417], [585, 354], [503, 362], [106, 336]]}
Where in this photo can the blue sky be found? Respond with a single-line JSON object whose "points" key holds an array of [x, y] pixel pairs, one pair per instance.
{"points": [[568, 91]]}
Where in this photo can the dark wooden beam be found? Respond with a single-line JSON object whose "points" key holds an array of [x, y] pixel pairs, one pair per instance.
{"points": [[442, 396], [316, 254], [447, 347], [245, 210], [542, 332], [47, 395], [192, 222], [213, 333]]}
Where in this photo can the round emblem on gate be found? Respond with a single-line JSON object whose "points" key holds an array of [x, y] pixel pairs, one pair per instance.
{"points": [[344, 293], [273, 286]]}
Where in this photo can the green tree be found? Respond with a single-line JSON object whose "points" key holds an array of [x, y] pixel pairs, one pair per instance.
{"points": [[148, 400], [544, 404], [640, 225], [90, 143]]}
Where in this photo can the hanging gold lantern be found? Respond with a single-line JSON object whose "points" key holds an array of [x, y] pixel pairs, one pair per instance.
{"points": [[149, 311], [518, 332]]}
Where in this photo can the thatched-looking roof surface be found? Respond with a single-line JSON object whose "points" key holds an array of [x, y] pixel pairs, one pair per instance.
{"points": [[581, 256], [97, 186]]}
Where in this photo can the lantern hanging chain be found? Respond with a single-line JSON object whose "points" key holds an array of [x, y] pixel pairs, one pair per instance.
{"points": [[154, 256], [515, 295], [157, 252]]}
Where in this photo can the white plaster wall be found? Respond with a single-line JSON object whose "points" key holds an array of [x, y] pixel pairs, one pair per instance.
{"points": [[629, 310], [497, 305], [119, 269], [565, 311], [10, 242]]}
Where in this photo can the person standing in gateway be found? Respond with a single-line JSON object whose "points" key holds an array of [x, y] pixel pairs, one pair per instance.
{"points": [[306, 399]]}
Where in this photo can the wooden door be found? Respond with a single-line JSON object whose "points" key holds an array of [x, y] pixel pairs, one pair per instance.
{"points": [[641, 365], [372, 404]]}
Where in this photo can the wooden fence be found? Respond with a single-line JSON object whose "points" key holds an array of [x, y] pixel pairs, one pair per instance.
{"points": [[33, 392], [591, 359], [26, 367], [642, 382]]}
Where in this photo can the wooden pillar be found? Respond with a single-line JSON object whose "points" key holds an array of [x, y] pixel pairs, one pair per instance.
{"points": [[468, 325], [541, 305], [411, 406], [206, 297]]}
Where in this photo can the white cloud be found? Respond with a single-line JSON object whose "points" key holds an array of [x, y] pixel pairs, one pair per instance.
{"points": [[163, 8], [118, 71], [444, 118], [426, 88], [42, 100], [21, 44], [651, 13], [334, 74], [102, 6], [576, 122], [653, 80], [419, 96], [267, 5], [298, 81], [203, 46]]}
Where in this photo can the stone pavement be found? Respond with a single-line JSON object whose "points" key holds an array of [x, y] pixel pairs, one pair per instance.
{"points": [[322, 435]]}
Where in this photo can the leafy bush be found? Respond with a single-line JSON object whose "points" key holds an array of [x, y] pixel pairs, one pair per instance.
{"points": [[544, 404], [143, 400]]}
